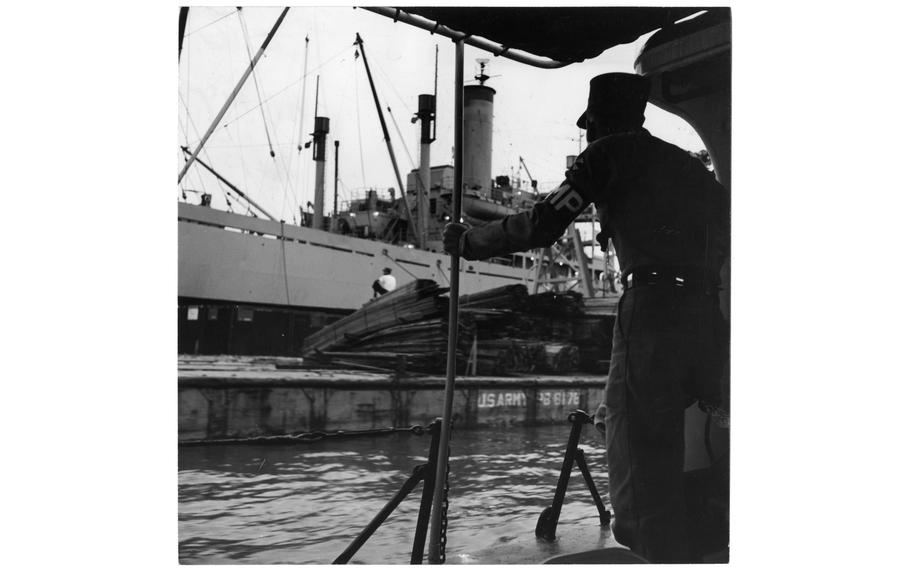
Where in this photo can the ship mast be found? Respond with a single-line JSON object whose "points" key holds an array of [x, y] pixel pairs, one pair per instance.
{"points": [[335, 208], [385, 134], [181, 28], [426, 113], [306, 54]]}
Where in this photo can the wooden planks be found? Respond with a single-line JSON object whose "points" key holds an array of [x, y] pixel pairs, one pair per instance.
{"points": [[501, 331], [412, 302]]}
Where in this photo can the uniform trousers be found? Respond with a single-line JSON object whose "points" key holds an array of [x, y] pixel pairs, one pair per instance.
{"points": [[670, 348]]}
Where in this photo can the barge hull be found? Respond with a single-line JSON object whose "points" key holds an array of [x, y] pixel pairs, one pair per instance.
{"points": [[237, 405]]}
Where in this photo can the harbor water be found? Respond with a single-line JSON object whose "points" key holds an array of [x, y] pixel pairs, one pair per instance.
{"points": [[305, 503]]}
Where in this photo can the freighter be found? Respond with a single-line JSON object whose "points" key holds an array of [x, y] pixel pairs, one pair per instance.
{"points": [[258, 285]]}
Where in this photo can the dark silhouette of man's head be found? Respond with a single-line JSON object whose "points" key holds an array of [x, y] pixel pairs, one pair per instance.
{"points": [[616, 103]]}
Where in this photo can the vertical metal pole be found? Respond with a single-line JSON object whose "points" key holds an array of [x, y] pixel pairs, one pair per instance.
{"points": [[426, 500], [232, 96], [538, 270], [181, 29], [582, 263], [335, 208], [593, 241], [442, 461], [306, 54]]}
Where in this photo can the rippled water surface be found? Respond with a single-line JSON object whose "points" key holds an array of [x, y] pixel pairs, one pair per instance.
{"points": [[304, 504]]}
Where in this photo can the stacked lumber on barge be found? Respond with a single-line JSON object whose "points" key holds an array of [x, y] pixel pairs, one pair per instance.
{"points": [[412, 302], [501, 331]]}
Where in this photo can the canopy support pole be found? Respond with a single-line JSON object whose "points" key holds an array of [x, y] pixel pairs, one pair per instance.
{"points": [[442, 461]]}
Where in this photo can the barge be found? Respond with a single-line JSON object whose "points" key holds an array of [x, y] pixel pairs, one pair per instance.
{"points": [[236, 399]]}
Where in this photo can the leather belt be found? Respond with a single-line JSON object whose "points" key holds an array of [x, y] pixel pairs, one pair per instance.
{"points": [[677, 276]]}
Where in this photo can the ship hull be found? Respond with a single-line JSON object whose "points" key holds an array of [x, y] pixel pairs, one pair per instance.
{"points": [[254, 286]]}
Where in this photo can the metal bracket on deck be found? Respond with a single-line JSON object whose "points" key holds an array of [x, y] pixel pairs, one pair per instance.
{"points": [[424, 472], [546, 523]]}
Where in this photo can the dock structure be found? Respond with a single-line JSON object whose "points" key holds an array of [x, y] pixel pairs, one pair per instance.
{"points": [[224, 399]]}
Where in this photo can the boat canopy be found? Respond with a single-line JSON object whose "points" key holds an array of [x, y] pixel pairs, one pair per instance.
{"points": [[562, 35]]}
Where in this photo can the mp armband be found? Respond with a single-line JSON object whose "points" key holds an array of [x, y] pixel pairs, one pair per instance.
{"points": [[567, 202]]}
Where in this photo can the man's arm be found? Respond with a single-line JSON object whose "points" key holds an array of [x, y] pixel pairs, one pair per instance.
{"points": [[539, 227], [546, 221]]}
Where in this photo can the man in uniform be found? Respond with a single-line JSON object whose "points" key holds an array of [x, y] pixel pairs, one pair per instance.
{"points": [[669, 222]]}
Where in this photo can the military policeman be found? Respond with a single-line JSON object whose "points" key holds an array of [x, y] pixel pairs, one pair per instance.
{"points": [[669, 221]]}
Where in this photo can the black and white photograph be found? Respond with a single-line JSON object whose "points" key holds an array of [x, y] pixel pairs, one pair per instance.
{"points": [[488, 284], [453, 285]]}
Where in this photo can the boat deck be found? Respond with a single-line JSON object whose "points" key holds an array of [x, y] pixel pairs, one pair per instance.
{"points": [[528, 549]]}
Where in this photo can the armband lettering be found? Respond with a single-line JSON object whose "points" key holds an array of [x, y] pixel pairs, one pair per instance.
{"points": [[566, 199]]}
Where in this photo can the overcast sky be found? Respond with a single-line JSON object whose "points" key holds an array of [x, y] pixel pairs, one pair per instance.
{"points": [[534, 109]]}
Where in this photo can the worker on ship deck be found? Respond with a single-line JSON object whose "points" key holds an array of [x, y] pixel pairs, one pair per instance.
{"points": [[385, 283], [668, 219]]}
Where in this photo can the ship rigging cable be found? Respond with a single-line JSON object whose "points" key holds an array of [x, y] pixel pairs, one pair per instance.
{"points": [[284, 171], [301, 162], [284, 265], [205, 151], [407, 152], [385, 253], [286, 87], [390, 84], [281, 166], [403, 143], [233, 95], [385, 134], [363, 171], [186, 107], [199, 29], [246, 43]]}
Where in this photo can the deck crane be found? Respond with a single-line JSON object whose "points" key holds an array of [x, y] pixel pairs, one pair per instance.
{"points": [[533, 181]]}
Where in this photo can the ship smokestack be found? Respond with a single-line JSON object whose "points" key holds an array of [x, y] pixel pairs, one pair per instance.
{"points": [[320, 131], [478, 137], [426, 113]]}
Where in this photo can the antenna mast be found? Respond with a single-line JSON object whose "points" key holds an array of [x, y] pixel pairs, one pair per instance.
{"points": [[482, 77], [306, 54], [316, 106]]}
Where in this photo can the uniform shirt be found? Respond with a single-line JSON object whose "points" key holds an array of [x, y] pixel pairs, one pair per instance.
{"points": [[388, 282], [660, 206]]}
